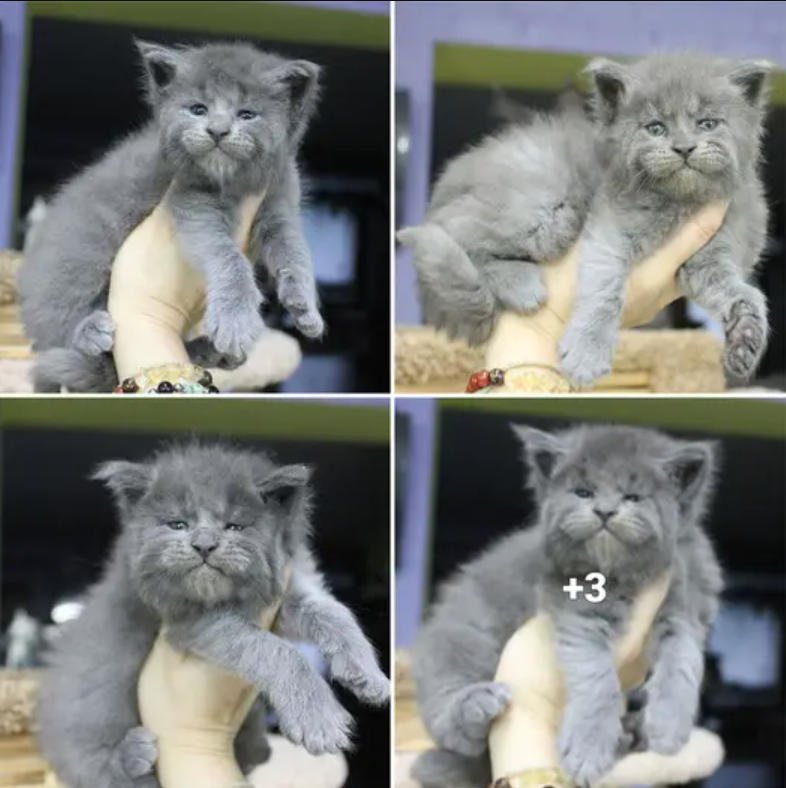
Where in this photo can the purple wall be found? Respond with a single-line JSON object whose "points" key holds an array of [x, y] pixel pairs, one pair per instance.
{"points": [[739, 28], [413, 549], [12, 41]]}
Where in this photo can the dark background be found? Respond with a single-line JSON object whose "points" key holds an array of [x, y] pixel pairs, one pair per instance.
{"points": [[58, 527], [83, 95], [481, 113], [480, 496]]}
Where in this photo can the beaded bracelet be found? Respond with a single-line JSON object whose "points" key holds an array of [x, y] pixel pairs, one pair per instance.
{"points": [[535, 778], [487, 379], [169, 379]]}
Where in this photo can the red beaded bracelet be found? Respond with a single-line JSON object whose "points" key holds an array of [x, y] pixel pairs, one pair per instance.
{"points": [[484, 379]]}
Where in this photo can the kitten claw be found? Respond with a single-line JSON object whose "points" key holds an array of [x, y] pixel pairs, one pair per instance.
{"points": [[138, 752], [95, 334]]}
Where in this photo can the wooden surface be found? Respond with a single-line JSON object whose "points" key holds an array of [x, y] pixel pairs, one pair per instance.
{"points": [[13, 343], [21, 766]]}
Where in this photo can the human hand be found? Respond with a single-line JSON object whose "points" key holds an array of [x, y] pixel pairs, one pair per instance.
{"points": [[651, 286], [156, 296], [524, 737]]}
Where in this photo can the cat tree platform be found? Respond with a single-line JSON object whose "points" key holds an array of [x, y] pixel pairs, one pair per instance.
{"points": [[646, 362], [21, 764], [700, 757]]}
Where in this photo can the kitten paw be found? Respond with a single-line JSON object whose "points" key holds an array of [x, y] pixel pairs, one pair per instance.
{"points": [[746, 339], [95, 334], [470, 715], [516, 284], [588, 749], [310, 715], [362, 677], [138, 752], [585, 359], [665, 726], [234, 325], [299, 299]]}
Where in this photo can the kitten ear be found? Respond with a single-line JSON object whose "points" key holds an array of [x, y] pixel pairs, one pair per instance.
{"points": [[161, 64], [691, 469], [128, 481], [613, 82], [300, 79], [286, 484], [750, 76], [542, 450]]}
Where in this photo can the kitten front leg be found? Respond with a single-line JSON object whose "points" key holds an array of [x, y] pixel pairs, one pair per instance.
{"points": [[586, 349], [591, 736], [307, 710], [204, 227], [674, 687], [717, 286], [280, 245], [310, 613]]}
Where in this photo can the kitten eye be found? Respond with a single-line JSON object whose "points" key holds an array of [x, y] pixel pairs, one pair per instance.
{"points": [[708, 124], [656, 128], [583, 492], [234, 527], [631, 498], [177, 525], [247, 114], [198, 109]]}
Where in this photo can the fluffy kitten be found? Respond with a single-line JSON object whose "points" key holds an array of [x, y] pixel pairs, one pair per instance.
{"points": [[206, 535], [668, 135], [627, 503], [227, 124]]}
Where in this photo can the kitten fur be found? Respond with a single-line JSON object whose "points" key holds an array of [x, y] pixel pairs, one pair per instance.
{"points": [[652, 491], [666, 136], [207, 532], [227, 123]]}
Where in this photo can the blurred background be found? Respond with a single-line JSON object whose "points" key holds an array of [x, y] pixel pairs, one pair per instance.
{"points": [[69, 88], [57, 526], [461, 485], [465, 69]]}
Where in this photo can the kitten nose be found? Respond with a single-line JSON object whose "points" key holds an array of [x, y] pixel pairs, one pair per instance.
{"points": [[218, 134], [604, 514], [684, 149], [204, 548]]}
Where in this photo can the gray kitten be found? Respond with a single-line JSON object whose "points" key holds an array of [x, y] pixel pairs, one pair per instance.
{"points": [[627, 503], [227, 124], [668, 135], [207, 532]]}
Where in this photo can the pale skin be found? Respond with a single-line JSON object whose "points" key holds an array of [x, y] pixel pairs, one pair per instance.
{"points": [[156, 296], [524, 737], [652, 285]]}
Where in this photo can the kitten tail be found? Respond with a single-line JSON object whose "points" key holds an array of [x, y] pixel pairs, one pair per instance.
{"points": [[444, 769], [63, 367], [453, 294]]}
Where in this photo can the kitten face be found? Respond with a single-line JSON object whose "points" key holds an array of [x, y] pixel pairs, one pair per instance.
{"points": [[208, 525], [613, 497], [682, 125], [225, 108]]}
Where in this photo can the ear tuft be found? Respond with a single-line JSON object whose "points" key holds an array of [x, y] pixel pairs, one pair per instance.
{"points": [[161, 64], [300, 78], [542, 450], [691, 469], [751, 77], [612, 83], [128, 481]]}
